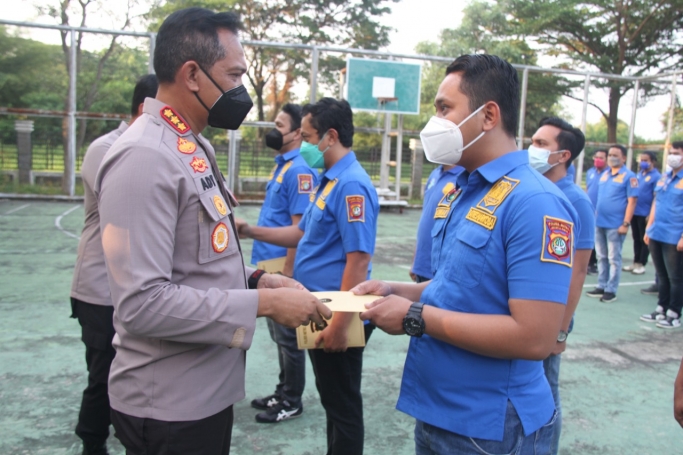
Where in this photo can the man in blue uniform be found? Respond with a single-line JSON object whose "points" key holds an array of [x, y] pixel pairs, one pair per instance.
{"points": [[336, 241], [555, 145], [592, 178], [502, 258], [664, 236], [440, 182], [617, 196], [287, 196], [648, 176]]}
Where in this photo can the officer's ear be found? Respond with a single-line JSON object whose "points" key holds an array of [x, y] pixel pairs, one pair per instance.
{"points": [[332, 137], [491, 115], [188, 75]]}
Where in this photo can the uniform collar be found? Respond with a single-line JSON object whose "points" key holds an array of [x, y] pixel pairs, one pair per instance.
{"points": [[339, 166], [618, 172], [494, 170], [123, 126], [288, 156], [167, 116], [454, 170], [565, 181]]}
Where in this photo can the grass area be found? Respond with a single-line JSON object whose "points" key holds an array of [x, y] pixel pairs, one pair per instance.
{"points": [[9, 186]]}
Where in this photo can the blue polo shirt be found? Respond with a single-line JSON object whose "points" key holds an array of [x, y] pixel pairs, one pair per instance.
{"points": [[646, 191], [613, 193], [668, 224], [592, 178], [288, 193], [507, 235], [585, 225], [341, 220], [439, 183]]}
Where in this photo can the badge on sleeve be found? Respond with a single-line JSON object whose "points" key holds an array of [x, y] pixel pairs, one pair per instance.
{"points": [[558, 241], [305, 183], [185, 146], [219, 203], [220, 238], [174, 119], [355, 206], [634, 182], [198, 164]]}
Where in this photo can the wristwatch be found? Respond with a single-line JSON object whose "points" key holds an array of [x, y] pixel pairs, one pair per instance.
{"points": [[562, 337], [413, 324], [626, 224]]}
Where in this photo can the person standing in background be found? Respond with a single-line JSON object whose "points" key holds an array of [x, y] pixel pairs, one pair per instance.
{"points": [[592, 178]]}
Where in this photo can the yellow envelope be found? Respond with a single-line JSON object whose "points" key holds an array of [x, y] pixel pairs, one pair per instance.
{"points": [[272, 265]]}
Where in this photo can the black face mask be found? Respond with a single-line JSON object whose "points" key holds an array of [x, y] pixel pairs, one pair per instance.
{"points": [[230, 109], [274, 139]]}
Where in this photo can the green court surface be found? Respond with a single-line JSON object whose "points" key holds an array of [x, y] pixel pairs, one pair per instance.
{"points": [[616, 379]]}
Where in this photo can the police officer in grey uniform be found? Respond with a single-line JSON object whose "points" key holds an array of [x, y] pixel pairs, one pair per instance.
{"points": [[185, 306], [90, 299]]}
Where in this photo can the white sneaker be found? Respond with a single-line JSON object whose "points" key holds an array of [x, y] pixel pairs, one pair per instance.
{"points": [[628, 268], [672, 321], [639, 269]]}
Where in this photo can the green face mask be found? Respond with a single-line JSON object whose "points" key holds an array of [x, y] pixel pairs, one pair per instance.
{"points": [[312, 154]]}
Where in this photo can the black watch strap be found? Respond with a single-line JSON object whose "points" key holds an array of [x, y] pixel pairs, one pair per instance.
{"points": [[253, 279], [413, 324]]}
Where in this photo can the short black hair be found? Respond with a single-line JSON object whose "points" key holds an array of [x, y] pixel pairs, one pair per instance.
{"points": [[677, 145], [600, 150], [191, 34], [569, 138], [651, 154], [294, 112], [146, 87], [620, 147], [490, 78], [329, 113]]}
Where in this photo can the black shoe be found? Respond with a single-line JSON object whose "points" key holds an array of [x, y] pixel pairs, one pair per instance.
{"points": [[97, 449], [265, 402], [652, 290], [279, 413], [592, 269], [595, 293], [608, 297]]}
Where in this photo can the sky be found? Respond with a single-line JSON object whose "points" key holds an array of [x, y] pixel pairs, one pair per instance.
{"points": [[414, 21]]}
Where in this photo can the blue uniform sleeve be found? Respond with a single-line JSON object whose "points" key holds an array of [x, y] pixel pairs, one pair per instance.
{"points": [[585, 235], [300, 183], [632, 185], [356, 213], [540, 249]]}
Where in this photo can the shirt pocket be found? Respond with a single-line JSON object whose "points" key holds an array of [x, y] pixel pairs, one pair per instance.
{"points": [[469, 254], [217, 239], [317, 225]]}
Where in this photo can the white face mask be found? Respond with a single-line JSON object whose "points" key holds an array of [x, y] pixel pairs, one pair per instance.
{"points": [[674, 161], [538, 159], [442, 139]]}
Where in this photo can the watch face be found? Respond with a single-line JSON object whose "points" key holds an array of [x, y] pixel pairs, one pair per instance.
{"points": [[562, 337], [412, 326]]}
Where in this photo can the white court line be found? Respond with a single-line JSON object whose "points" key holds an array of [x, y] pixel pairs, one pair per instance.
{"points": [[15, 209], [58, 223], [628, 283]]}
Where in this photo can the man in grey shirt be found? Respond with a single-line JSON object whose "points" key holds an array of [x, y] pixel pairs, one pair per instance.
{"points": [[90, 298], [185, 305]]}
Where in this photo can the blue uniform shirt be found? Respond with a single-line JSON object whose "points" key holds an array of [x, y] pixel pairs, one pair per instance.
{"points": [[288, 193], [584, 229], [613, 193], [508, 234], [343, 219], [592, 178], [646, 190], [668, 224], [571, 171], [439, 183]]}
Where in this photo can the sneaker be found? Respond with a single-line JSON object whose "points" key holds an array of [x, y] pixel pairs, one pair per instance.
{"points": [[608, 297], [672, 321], [638, 270], [592, 270], [597, 292], [265, 402], [652, 290], [629, 268], [657, 315], [280, 412]]}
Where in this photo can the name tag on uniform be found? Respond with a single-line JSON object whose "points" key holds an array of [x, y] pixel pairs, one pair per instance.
{"points": [[481, 218]]}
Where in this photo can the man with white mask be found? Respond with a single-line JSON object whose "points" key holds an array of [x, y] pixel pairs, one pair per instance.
{"points": [[554, 146], [502, 259]]}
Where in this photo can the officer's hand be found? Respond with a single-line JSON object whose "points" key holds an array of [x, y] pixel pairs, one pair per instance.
{"points": [[646, 239], [291, 307], [559, 348], [622, 229], [243, 228], [334, 338], [413, 277], [388, 313], [679, 246], [274, 281], [372, 287]]}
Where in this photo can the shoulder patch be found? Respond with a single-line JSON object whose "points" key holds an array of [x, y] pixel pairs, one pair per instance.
{"points": [[558, 241], [174, 119], [355, 206], [634, 182], [305, 183], [185, 146], [284, 169], [482, 218], [497, 194]]}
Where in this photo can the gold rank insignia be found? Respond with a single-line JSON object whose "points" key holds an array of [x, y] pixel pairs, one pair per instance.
{"points": [[174, 119], [198, 164], [497, 194], [220, 205], [220, 238], [620, 178], [185, 146], [272, 173], [679, 185], [558, 241], [320, 203], [285, 168]]}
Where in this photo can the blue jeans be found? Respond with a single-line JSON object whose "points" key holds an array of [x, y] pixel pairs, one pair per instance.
{"points": [[431, 440], [292, 360], [608, 244], [551, 366]]}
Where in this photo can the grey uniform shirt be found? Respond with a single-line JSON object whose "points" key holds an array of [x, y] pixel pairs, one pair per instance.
{"points": [[182, 313], [90, 283]]}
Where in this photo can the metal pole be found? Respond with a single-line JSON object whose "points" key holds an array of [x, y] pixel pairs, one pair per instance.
{"points": [[670, 122], [629, 155], [315, 56], [152, 46], [70, 162], [386, 154], [584, 114], [399, 155], [522, 109], [232, 154]]}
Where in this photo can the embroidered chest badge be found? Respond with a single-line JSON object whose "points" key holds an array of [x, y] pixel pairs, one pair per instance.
{"points": [[185, 146], [355, 206], [620, 178], [219, 203], [198, 164], [558, 241], [220, 238], [497, 194], [451, 193], [174, 119]]}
